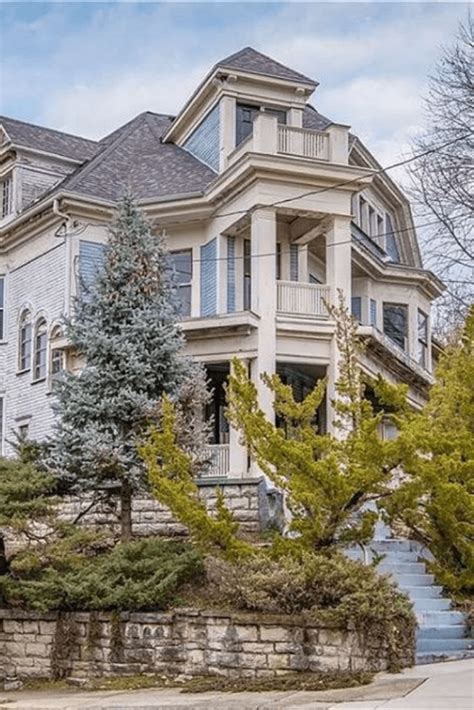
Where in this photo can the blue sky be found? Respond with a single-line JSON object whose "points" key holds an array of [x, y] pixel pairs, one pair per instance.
{"points": [[88, 67]]}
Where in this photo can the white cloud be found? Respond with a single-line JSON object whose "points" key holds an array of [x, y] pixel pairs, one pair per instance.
{"points": [[98, 108]]}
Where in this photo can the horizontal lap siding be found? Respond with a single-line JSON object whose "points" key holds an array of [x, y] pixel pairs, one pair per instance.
{"points": [[204, 141]]}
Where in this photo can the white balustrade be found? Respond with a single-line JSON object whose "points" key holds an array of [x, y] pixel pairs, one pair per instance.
{"points": [[302, 298], [303, 142], [219, 457]]}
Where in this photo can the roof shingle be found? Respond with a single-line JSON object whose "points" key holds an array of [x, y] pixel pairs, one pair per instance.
{"points": [[48, 139], [249, 60]]}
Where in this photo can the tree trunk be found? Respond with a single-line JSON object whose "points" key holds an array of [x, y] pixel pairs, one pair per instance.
{"points": [[3, 557], [126, 512]]}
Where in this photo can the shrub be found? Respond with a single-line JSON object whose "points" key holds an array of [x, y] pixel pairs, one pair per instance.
{"points": [[141, 575], [331, 589]]}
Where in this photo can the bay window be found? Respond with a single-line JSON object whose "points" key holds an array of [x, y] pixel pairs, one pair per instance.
{"points": [[182, 264], [40, 350], [24, 342], [395, 323]]}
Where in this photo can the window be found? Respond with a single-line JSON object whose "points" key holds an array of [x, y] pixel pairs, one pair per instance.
{"points": [[391, 246], [2, 307], [280, 114], [182, 262], [422, 339], [24, 344], [247, 275], [395, 323], [244, 122], [278, 262], [41, 347], [373, 312], [313, 279], [57, 354], [24, 431], [364, 215], [6, 194], [356, 308]]}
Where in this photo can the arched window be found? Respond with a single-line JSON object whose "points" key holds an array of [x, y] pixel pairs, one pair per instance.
{"points": [[24, 341], [40, 349], [57, 354]]}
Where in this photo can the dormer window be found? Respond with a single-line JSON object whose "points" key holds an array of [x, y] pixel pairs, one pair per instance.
{"points": [[245, 118], [6, 196]]}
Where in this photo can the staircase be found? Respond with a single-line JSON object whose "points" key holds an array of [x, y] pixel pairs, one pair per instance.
{"points": [[441, 634]]}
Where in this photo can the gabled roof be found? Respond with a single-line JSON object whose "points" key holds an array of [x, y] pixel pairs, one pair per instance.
{"points": [[134, 158], [249, 60], [48, 140]]}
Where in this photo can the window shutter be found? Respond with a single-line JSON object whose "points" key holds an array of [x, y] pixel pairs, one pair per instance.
{"points": [[356, 303], [294, 262], [209, 278], [91, 260], [230, 274]]}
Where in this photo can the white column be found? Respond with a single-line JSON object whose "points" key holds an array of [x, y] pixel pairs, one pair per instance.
{"points": [[196, 282], [339, 278], [238, 457], [263, 249], [227, 117]]}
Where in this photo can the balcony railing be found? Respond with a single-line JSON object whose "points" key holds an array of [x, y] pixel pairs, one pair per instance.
{"points": [[303, 142], [302, 298], [219, 456]]}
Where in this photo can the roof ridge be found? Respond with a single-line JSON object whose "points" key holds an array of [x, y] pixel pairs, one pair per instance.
{"points": [[47, 128], [241, 52], [101, 154]]}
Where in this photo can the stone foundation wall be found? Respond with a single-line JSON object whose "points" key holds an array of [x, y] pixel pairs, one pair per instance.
{"points": [[252, 505], [184, 643]]}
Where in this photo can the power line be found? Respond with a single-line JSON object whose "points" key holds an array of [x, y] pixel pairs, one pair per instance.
{"points": [[321, 190], [287, 251]]}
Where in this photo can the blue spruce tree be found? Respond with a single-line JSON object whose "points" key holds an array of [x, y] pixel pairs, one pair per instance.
{"points": [[125, 329]]}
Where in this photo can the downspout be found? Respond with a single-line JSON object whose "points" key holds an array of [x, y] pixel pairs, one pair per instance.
{"points": [[68, 255]]}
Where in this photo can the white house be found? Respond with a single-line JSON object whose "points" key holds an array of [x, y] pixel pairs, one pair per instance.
{"points": [[269, 209]]}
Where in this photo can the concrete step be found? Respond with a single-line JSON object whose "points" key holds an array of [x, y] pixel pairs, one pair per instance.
{"points": [[384, 546], [414, 580], [454, 631], [439, 618], [432, 592], [441, 656], [392, 566], [440, 604], [444, 645]]}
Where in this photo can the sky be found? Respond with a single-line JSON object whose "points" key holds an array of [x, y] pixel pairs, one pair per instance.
{"points": [[87, 67]]}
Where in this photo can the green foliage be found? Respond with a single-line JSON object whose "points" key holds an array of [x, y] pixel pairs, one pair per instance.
{"points": [[327, 480], [77, 572], [170, 471], [25, 494], [125, 327], [434, 500], [328, 588]]}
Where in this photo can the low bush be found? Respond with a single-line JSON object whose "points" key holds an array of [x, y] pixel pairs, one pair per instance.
{"points": [[73, 573], [328, 588]]}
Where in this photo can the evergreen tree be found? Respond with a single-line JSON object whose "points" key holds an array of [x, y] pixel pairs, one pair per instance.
{"points": [[125, 331], [329, 481], [435, 500]]}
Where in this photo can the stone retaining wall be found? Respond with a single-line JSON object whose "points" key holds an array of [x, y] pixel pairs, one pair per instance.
{"points": [[184, 643], [252, 505]]}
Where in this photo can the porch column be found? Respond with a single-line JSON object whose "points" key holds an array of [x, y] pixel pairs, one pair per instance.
{"points": [[238, 457], [338, 278], [263, 232]]}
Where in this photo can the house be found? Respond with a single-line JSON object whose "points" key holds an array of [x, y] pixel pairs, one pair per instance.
{"points": [[269, 209]]}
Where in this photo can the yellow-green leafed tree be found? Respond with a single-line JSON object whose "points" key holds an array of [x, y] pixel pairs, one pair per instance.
{"points": [[435, 501], [328, 480]]}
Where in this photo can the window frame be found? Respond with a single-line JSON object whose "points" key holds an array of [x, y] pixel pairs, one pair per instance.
{"points": [[6, 196], [40, 350], [25, 326], [56, 354], [183, 285]]}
